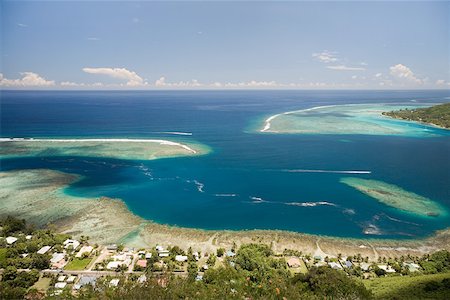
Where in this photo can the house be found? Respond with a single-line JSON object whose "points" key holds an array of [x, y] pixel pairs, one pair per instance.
{"points": [[335, 265], [205, 267], [164, 253], [196, 255], [28, 237], [112, 247], [348, 264], [11, 240], [365, 266], [60, 285], [387, 269], [148, 255], [44, 250], [230, 253], [57, 257], [293, 262], [142, 263], [61, 278], [114, 282], [199, 277], [159, 248], [71, 279], [181, 258], [71, 243], [412, 267], [84, 249], [142, 252], [112, 265], [85, 280], [142, 278]]}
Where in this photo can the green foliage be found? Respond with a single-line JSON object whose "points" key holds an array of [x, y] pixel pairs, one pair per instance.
{"points": [[220, 252], [435, 286], [12, 225], [331, 283], [211, 260], [14, 284], [437, 115]]}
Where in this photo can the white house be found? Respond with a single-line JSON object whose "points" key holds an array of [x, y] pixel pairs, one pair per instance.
{"points": [[148, 255], [84, 249], [11, 240], [114, 282], [60, 285], [57, 257], [71, 279], [164, 253], [335, 266], [44, 250], [181, 258], [71, 243], [61, 278]]}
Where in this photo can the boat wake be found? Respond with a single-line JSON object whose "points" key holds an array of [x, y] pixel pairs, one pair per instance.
{"points": [[328, 171]]}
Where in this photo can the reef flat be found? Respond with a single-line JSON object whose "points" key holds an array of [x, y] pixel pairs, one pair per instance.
{"points": [[137, 149], [396, 197], [346, 119], [38, 196]]}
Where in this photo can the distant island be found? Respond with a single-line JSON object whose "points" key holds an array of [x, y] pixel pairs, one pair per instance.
{"points": [[438, 115]]}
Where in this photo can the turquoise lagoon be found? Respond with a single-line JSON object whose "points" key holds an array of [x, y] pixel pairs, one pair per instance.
{"points": [[248, 179]]}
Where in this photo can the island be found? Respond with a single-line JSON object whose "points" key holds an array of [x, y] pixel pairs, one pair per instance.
{"points": [[367, 119], [438, 115]]}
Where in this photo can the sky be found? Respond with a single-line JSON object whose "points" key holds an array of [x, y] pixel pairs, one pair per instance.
{"points": [[224, 45]]}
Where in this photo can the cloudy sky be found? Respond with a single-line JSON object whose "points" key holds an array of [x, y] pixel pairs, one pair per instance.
{"points": [[220, 45]]}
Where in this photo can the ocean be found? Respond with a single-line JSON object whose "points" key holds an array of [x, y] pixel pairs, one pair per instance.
{"points": [[242, 183]]}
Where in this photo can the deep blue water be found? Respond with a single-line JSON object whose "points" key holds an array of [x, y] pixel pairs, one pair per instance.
{"points": [[243, 162]]}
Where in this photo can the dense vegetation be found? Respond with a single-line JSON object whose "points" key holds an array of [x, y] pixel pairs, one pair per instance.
{"points": [[438, 115], [255, 272]]}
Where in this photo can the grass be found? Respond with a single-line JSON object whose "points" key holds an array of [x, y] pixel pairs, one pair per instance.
{"points": [[42, 284], [2, 256], [78, 264], [408, 287]]}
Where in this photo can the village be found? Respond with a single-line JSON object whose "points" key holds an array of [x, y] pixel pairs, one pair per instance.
{"points": [[72, 264]]}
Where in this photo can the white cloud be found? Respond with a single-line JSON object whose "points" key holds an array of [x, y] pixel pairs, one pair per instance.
{"points": [[161, 82], [345, 68], [93, 39], [29, 79], [404, 74], [325, 56], [354, 77], [378, 75], [22, 25], [131, 77], [441, 82]]}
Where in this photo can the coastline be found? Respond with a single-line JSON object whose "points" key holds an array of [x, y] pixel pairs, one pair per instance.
{"points": [[267, 123], [122, 148], [107, 220]]}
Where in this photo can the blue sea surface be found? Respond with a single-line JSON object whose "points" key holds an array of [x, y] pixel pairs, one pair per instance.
{"points": [[242, 183]]}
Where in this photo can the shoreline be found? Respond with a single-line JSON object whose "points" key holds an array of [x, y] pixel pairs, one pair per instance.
{"points": [[107, 220], [268, 125], [158, 141]]}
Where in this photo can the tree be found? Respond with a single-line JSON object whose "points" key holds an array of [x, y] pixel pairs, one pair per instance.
{"points": [[192, 270], [211, 260], [220, 252]]}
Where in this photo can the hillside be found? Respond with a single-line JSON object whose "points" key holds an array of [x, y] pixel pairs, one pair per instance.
{"points": [[437, 115]]}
